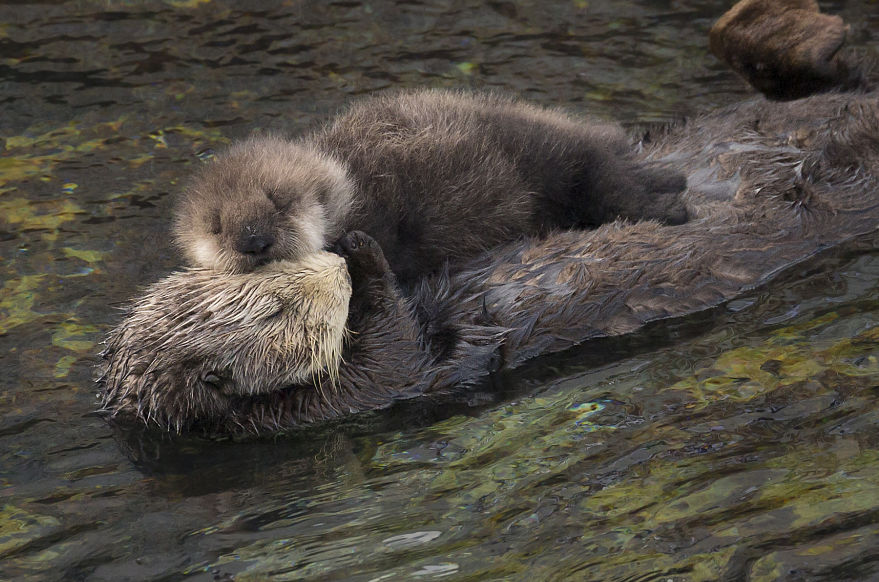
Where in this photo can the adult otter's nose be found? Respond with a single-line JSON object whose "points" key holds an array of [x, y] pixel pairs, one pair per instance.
{"points": [[255, 244]]}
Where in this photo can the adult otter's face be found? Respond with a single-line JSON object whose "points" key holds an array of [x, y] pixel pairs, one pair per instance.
{"points": [[265, 199], [197, 343]]}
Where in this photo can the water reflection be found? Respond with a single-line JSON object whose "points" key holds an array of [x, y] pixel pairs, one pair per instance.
{"points": [[736, 443]]}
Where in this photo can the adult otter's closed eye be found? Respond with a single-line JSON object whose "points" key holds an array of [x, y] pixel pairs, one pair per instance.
{"points": [[432, 176]]}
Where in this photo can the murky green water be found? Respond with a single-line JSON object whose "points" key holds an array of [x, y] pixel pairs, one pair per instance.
{"points": [[737, 444]]}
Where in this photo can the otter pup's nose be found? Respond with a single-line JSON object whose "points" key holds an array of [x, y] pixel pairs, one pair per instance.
{"points": [[255, 244]]}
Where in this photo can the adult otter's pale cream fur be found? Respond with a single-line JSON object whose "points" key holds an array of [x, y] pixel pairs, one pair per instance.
{"points": [[223, 337], [433, 176]]}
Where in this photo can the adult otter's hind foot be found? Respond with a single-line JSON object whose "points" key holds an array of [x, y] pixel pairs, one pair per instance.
{"points": [[787, 49]]}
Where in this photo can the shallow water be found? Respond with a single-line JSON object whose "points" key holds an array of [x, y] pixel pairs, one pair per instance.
{"points": [[736, 444]]}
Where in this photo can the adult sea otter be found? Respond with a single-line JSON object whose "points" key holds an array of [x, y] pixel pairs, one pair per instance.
{"points": [[769, 184]]}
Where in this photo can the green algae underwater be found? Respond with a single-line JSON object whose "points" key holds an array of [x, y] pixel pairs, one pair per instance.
{"points": [[737, 444]]}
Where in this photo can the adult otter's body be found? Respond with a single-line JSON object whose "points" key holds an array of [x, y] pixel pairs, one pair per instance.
{"points": [[769, 185], [433, 176]]}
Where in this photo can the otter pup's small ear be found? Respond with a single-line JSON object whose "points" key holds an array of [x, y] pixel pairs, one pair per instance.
{"points": [[281, 202]]}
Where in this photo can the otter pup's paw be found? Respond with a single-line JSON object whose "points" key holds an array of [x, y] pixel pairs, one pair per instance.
{"points": [[658, 195], [364, 256], [673, 210], [663, 181]]}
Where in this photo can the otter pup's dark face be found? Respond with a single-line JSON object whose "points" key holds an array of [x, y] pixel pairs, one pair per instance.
{"points": [[265, 199]]}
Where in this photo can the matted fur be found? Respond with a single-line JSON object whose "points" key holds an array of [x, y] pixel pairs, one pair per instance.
{"points": [[434, 176], [199, 339]]}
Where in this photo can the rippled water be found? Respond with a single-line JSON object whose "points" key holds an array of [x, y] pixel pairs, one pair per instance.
{"points": [[736, 444]]}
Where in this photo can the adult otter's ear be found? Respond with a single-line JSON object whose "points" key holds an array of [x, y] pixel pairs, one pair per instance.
{"points": [[786, 49], [212, 380]]}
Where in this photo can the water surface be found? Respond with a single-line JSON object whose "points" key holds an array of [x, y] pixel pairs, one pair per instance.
{"points": [[737, 444]]}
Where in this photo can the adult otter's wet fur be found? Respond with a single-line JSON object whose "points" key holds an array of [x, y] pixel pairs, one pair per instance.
{"points": [[433, 176], [769, 185]]}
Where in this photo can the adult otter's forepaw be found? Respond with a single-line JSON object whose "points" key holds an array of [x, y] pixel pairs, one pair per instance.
{"points": [[363, 254]]}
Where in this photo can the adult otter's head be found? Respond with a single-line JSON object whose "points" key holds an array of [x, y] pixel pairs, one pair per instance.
{"points": [[264, 199], [226, 337]]}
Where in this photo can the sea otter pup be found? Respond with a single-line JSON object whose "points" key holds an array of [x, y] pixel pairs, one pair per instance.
{"points": [[433, 176]]}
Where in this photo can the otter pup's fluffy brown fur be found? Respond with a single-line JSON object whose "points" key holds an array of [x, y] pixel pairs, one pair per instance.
{"points": [[431, 175]]}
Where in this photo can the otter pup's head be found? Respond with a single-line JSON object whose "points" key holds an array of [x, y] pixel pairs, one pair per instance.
{"points": [[264, 199], [198, 342]]}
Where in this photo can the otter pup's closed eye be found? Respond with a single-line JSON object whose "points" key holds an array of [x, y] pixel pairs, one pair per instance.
{"points": [[263, 201], [433, 176]]}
